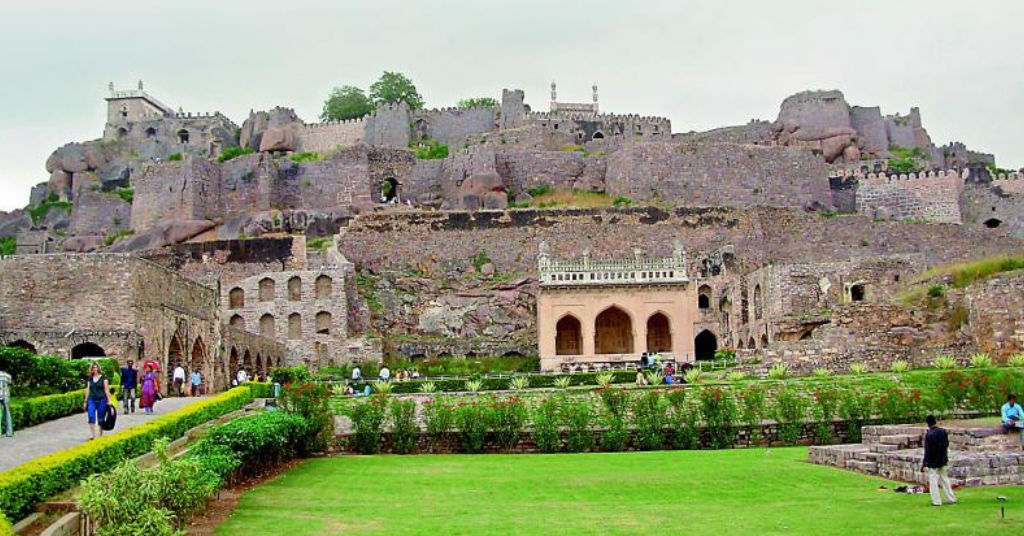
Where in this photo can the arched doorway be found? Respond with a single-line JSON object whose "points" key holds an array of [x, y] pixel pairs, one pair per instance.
{"points": [[858, 292], [183, 136], [598, 135], [659, 333], [233, 363], [260, 366], [568, 336], [993, 223], [764, 341], [751, 343], [758, 303], [198, 357], [86, 350], [389, 190], [613, 332], [247, 362], [23, 344], [705, 344]]}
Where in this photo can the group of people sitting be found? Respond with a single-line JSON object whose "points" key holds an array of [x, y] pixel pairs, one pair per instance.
{"points": [[670, 374]]}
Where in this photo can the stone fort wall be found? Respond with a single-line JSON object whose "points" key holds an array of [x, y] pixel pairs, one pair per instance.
{"points": [[932, 196], [329, 136], [719, 175], [759, 235]]}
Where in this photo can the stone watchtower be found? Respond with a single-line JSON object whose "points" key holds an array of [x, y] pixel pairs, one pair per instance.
{"points": [[131, 106]]}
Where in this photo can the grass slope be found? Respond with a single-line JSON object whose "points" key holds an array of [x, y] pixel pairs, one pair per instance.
{"points": [[739, 492]]}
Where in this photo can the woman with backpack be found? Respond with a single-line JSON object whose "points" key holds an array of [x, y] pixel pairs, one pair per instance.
{"points": [[97, 397]]}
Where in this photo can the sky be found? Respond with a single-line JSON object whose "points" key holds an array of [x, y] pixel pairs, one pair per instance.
{"points": [[702, 64]]}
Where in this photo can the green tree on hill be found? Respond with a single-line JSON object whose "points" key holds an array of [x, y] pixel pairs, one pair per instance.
{"points": [[346, 102], [396, 87]]}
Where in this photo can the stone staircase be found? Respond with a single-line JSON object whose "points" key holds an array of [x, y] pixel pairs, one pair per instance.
{"points": [[978, 456]]}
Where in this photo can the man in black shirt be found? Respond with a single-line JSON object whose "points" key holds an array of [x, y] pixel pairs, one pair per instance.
{"points": [[129, 383], [936, 457]]}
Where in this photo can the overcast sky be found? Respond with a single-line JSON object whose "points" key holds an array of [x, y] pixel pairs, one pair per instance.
{"points": [[703, 64]]}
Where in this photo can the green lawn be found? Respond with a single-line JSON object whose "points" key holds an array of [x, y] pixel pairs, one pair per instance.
{"points": [[743, 492]]}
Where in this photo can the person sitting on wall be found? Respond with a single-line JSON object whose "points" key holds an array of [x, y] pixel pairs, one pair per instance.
{"points": [[641, 380], [1013, 418]]}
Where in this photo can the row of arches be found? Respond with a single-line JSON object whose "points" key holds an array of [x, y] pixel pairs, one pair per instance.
{"points": [[323, 323], [706, 344], [83, 350], [704, 302], [323, 288], [613, 333]]}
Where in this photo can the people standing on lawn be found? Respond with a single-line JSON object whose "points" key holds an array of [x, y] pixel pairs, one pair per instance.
{"points": [[196, 380], [385, 373], [242, 376], [936, 457], [357, 375], [1013, 418], [178, 378], [129, 386], [97, 396], [150, 389]]}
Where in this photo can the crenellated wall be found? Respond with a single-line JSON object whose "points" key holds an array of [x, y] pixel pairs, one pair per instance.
{"points": [[325, 137], [932, 196]]}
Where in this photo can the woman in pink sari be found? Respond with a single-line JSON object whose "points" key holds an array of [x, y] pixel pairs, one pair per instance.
{"points": [[149, 389]]}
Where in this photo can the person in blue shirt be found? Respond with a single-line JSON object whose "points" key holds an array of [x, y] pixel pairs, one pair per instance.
{"points": [[129, 385], [1013, 417]]}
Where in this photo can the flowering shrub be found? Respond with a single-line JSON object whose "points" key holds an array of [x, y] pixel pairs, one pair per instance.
{"points": [[545, 425], [954, 388], [439, 417], [311, 401], [649, 421], [898, 405], [684, 419], [404, 429], [471, 420], [616, 401], [719, 412], [508, 418], [826, 407], [789, 411], [367, 423], [856, 410], [752, 406], [577, 418]]}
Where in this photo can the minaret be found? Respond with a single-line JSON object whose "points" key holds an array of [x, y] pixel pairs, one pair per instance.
{"points": [[554, 96], [594, 88]]}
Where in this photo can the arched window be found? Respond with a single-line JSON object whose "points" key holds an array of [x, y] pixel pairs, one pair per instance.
{"points": [[237, 322], [294, 289], [323, 323], [233, 362], [324, 287], [613, 332], [993, 223], [858, 292], [150, 132], [725, 306], [758, 302], [198, 356], [183, 136], [267, 289], [705, 344], [704, 297], [389, 190], [86, 350], [568, 336], [267, 326], [23, 344], [122, 133], [598, 135], [236, 298], [247, 362], [175, 353], [659, 333], [294, 326]]}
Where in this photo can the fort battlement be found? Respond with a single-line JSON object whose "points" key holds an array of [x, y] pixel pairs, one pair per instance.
{"points": [[577, 116], [334, 124], [1010, 183], [930, 195], [952, 175]]}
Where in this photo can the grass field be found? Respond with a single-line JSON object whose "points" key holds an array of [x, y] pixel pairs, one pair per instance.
{"points": [[743, 492]]}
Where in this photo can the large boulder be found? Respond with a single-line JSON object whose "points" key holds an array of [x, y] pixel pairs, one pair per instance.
{"points": [[76, 158], [276, 130], [165, 233], [483, 190]]}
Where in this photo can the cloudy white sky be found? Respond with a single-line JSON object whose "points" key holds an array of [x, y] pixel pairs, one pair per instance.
{"points": [[703, 64]]}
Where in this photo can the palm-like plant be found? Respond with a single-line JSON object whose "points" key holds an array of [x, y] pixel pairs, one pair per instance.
{"points": [[474, 386], [1015, 360], [981, 360], [604, 379], [384, 387], [428, 387], [518, 383], [696, 376], [858, 369], [899, 366], [779, 371], [562, 382], [822, 372], [944, 362]]}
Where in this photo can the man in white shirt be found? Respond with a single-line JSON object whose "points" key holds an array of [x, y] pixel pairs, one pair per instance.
{"points": [[242, 376], [5, 404], [357, 375], [179, 379], [385, 373]]}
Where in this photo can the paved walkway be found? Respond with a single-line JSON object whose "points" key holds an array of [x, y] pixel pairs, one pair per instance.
{"points": [[61, 434]]}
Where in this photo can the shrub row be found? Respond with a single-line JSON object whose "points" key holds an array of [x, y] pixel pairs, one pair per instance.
{"points": [[501, 384], [34, 375], [159, 501], [37, 480], [40, 409], [684, 416], [5, 527]]}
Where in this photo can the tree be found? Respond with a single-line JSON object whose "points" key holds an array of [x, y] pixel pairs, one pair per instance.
{"points": [[396, 87], [346, 102], [478, 102]]}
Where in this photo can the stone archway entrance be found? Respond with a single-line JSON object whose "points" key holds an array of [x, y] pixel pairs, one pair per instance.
{"points": [[23, 344], [613, 332], [705, 345], [659, 333], [87, 350], [568, 336], [198, 358]]}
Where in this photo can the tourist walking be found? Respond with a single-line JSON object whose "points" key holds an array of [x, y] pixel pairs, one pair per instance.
{"points": [[197, 381], [150, 389], [129, 385], [179, 380], [5, 405], [1013, 418], [97, 397], [357, 375], [936, 457], [242, 376], [385, 373]]}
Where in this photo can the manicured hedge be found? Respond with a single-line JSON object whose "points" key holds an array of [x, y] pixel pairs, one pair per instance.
{"points": [[5, 527], [33, 411], [22, 487], [33, 375], [261, 389]]}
